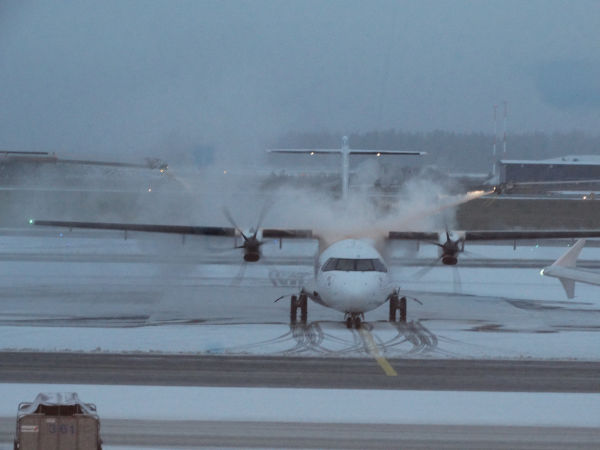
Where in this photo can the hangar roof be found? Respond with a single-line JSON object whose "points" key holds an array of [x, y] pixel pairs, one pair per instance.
{"points": [[562, 160]]}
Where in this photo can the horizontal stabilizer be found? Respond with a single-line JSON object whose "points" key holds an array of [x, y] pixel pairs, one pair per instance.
{"points": [[306, 151], [350, 151]]}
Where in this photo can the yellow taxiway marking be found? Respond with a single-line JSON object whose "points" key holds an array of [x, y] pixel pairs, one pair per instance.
{"points": [[372, 348]]}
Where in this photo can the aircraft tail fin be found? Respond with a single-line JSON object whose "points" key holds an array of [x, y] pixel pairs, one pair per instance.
{"points": [[570, 257], [569, 286], [568, 260], [345, 153]]}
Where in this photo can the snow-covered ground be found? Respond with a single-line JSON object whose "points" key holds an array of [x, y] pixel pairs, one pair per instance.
{"points": [[82, 293], [435, 339], [106, 294], [323, 405]]}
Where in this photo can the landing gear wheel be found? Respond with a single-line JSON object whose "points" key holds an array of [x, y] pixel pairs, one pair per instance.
{"points": [[357, 322], [293, 308], [393, 307], [349, 322], [402, 308], [303, 303], [299, 303]]}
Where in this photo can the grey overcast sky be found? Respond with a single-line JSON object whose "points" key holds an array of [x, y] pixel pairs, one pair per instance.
{"points": [[112, 77]]}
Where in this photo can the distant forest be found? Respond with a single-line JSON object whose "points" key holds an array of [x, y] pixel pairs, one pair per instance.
{"points": [[456, 152]]}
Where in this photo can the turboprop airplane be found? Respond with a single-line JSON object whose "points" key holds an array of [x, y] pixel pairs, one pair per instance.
{"points": [[351, 275], [564, 269]]}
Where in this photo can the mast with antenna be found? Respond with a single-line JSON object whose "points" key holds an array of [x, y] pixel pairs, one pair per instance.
{"points": [[495, 139], [504, 139]]}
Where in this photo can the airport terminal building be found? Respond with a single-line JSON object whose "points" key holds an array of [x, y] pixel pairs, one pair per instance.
{"points": [[566, 168]]}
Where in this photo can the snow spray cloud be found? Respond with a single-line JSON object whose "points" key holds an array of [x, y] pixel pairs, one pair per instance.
{"points": [[421, 205]]}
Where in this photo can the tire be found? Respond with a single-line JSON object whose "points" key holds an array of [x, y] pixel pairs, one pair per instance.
{"points": [[349, 323], [303, 308], [293, 308], [393, 308], [357, 323], [403, 309]]}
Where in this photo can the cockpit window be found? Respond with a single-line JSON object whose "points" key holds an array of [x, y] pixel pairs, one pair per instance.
{"points": [[364, 265], [345, 265], [354, 265]]}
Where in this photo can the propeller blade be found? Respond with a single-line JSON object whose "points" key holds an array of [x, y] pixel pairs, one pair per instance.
{"points": [[236, 281], [416, 300], [233, 224], [421, 272], [261, 216], [456, 280]]}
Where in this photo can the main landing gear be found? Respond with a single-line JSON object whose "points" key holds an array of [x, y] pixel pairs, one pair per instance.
{"points": [[395, 305], [299, 302], [353, 320]]}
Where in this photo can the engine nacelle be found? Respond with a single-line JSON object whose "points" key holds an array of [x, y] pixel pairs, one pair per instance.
{"points": [[251, 255], [449, 259]]}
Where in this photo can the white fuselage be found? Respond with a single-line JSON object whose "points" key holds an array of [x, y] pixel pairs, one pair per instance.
{"points": [[352, 277]]}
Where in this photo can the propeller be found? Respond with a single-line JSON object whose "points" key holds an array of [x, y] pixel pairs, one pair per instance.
{"points": [[450, 249], [449, 256], [252, 243]]}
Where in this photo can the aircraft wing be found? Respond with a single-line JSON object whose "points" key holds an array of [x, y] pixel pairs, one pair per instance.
{"points": [[173, 229], [497, 235]]}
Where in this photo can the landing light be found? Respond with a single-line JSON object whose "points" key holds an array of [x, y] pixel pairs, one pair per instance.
{"points": [[542, 272], [149, 189], [312, 153], [378, 154], [224, 172]]}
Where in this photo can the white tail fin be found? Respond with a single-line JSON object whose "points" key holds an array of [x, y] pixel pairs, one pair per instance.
{"points": [[568, 260], [570, 257], [569, 286], [564, 269], [345, 151]]}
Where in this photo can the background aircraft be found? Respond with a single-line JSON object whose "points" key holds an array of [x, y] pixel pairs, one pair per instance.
{"points": [[564, 269]]}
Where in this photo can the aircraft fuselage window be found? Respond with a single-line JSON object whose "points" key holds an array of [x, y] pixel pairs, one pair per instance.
{"points": [[354, 265]]}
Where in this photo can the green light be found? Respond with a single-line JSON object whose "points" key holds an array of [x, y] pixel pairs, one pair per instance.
{"points": [[30, 221]]}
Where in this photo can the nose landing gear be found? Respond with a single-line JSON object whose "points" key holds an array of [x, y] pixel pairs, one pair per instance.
{"points": [[299, 302], [397, 304], [354, 320]]}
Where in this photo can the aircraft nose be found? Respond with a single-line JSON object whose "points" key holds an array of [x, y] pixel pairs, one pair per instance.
{"points": [[358, 291]]}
